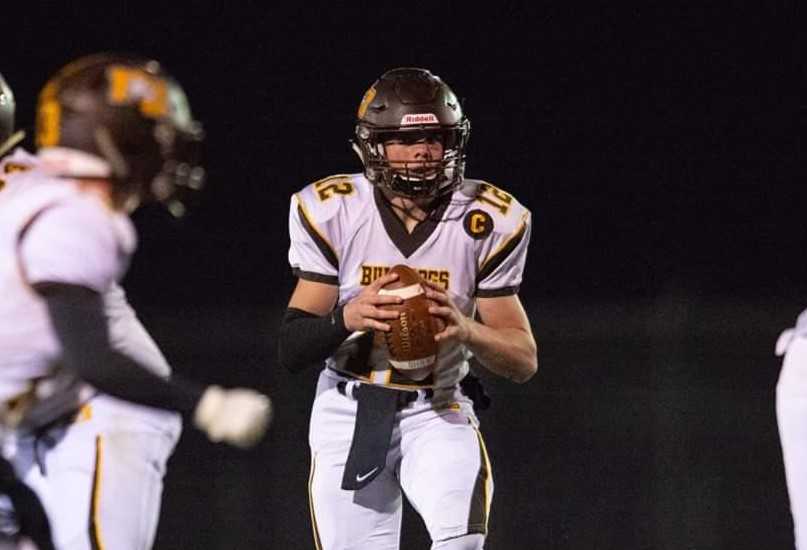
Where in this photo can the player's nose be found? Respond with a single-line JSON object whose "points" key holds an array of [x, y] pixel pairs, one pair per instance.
{"points": [[422, 151]]}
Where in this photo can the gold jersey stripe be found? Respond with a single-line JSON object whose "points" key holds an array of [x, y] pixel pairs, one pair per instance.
{"points": [[84, 413], [483, 491], [96, 538], [314, 528], [320, 240], [502, 251]]}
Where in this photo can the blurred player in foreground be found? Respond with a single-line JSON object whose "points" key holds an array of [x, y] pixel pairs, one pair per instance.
{"points": [[377, 432], [791, 415], [81, 382], [22, 515]]}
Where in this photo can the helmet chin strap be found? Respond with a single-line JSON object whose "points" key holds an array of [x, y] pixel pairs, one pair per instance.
{"points": [[357, 150], [11, 142]]}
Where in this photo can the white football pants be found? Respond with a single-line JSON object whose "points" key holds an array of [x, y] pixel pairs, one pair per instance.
{"points": [[100, 477], [437, 458]]}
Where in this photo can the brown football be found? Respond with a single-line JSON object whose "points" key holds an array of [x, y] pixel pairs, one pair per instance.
{"points": [[410, 341]]}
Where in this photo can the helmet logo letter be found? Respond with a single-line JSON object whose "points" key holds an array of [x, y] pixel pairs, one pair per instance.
{"points": [[133, 86]]}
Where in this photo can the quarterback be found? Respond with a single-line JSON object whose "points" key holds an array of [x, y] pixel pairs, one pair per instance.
{"points": [[89, 408], [378, 433]]}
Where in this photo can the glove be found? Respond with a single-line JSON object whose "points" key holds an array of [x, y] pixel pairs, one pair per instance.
{"points": [[237, 416]]}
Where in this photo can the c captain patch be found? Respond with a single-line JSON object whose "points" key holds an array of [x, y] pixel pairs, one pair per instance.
{"points": [[478, 224]]}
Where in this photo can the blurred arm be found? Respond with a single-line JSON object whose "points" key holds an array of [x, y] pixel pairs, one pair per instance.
{"points": [[78, 318]]}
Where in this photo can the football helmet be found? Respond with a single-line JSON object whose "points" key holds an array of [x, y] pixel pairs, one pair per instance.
{"points": [[409, 105], [7, 107], [130, 113]]}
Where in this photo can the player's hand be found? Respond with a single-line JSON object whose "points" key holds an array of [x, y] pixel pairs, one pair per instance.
{"points": [[364, 312], [236, 416], [457, 324]]}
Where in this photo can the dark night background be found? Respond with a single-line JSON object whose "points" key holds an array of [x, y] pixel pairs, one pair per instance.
{"points": [[660, 149]]}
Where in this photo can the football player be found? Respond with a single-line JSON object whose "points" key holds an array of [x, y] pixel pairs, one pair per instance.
{"points": [[92, 409], [377, 433], [791, 415]]}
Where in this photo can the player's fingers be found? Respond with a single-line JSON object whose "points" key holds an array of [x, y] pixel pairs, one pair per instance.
{"points": [[449, 333], [437, 296], [381, 313], [441, 311], [431, 284], [382, 281], [379, 299], [372, 324]]}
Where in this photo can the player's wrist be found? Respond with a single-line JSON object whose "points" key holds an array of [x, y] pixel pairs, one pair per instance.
{"points": [[338, 321], [469, 333], [344, 314]]}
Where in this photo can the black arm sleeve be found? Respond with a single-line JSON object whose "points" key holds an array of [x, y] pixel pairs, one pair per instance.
{"points": [[77, 315], [307, 339]]}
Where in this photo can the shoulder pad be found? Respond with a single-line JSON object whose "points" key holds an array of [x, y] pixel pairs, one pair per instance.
{"points": [[18, 161], [506, 212], [326, 198]]}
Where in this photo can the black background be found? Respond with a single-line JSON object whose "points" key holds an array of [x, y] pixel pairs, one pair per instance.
{"points": [[659, 148]]}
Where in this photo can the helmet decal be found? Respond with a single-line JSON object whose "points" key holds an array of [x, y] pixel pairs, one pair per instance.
{"points": [[132, 86], [369, 95]]}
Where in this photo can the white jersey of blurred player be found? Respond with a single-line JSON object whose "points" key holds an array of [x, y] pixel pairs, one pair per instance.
{"points": [[344, 233], [791, 415], [80, 449]]}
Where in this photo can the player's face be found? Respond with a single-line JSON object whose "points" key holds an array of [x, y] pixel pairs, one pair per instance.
{"points": [[416, 154]]}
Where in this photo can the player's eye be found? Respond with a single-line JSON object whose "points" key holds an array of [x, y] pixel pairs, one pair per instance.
{"points": [[414, 137]]}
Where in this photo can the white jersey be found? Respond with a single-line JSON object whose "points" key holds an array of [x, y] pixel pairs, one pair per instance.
{"points": [[126, 333], [343, 232], [50, 231]]}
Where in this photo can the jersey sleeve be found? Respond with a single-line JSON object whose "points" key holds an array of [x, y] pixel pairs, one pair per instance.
{"points": [[127, 334], [504, 255], [314, 235], [72, 243]]}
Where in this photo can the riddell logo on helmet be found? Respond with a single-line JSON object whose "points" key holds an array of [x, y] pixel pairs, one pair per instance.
{"points": [[419, 118]]}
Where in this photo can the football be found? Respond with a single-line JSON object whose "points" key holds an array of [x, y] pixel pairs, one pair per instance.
{"points": [[410, 342]]}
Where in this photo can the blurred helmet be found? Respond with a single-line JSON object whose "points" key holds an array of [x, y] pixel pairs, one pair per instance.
{"points": [[409, 105], [7, 107], [130, 113]]}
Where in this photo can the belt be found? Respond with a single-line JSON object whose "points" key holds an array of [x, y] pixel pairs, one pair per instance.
{"points": [[405, 397]]}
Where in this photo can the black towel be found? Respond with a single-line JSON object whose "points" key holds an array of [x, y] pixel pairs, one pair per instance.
{"points": [[371, 435]]}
